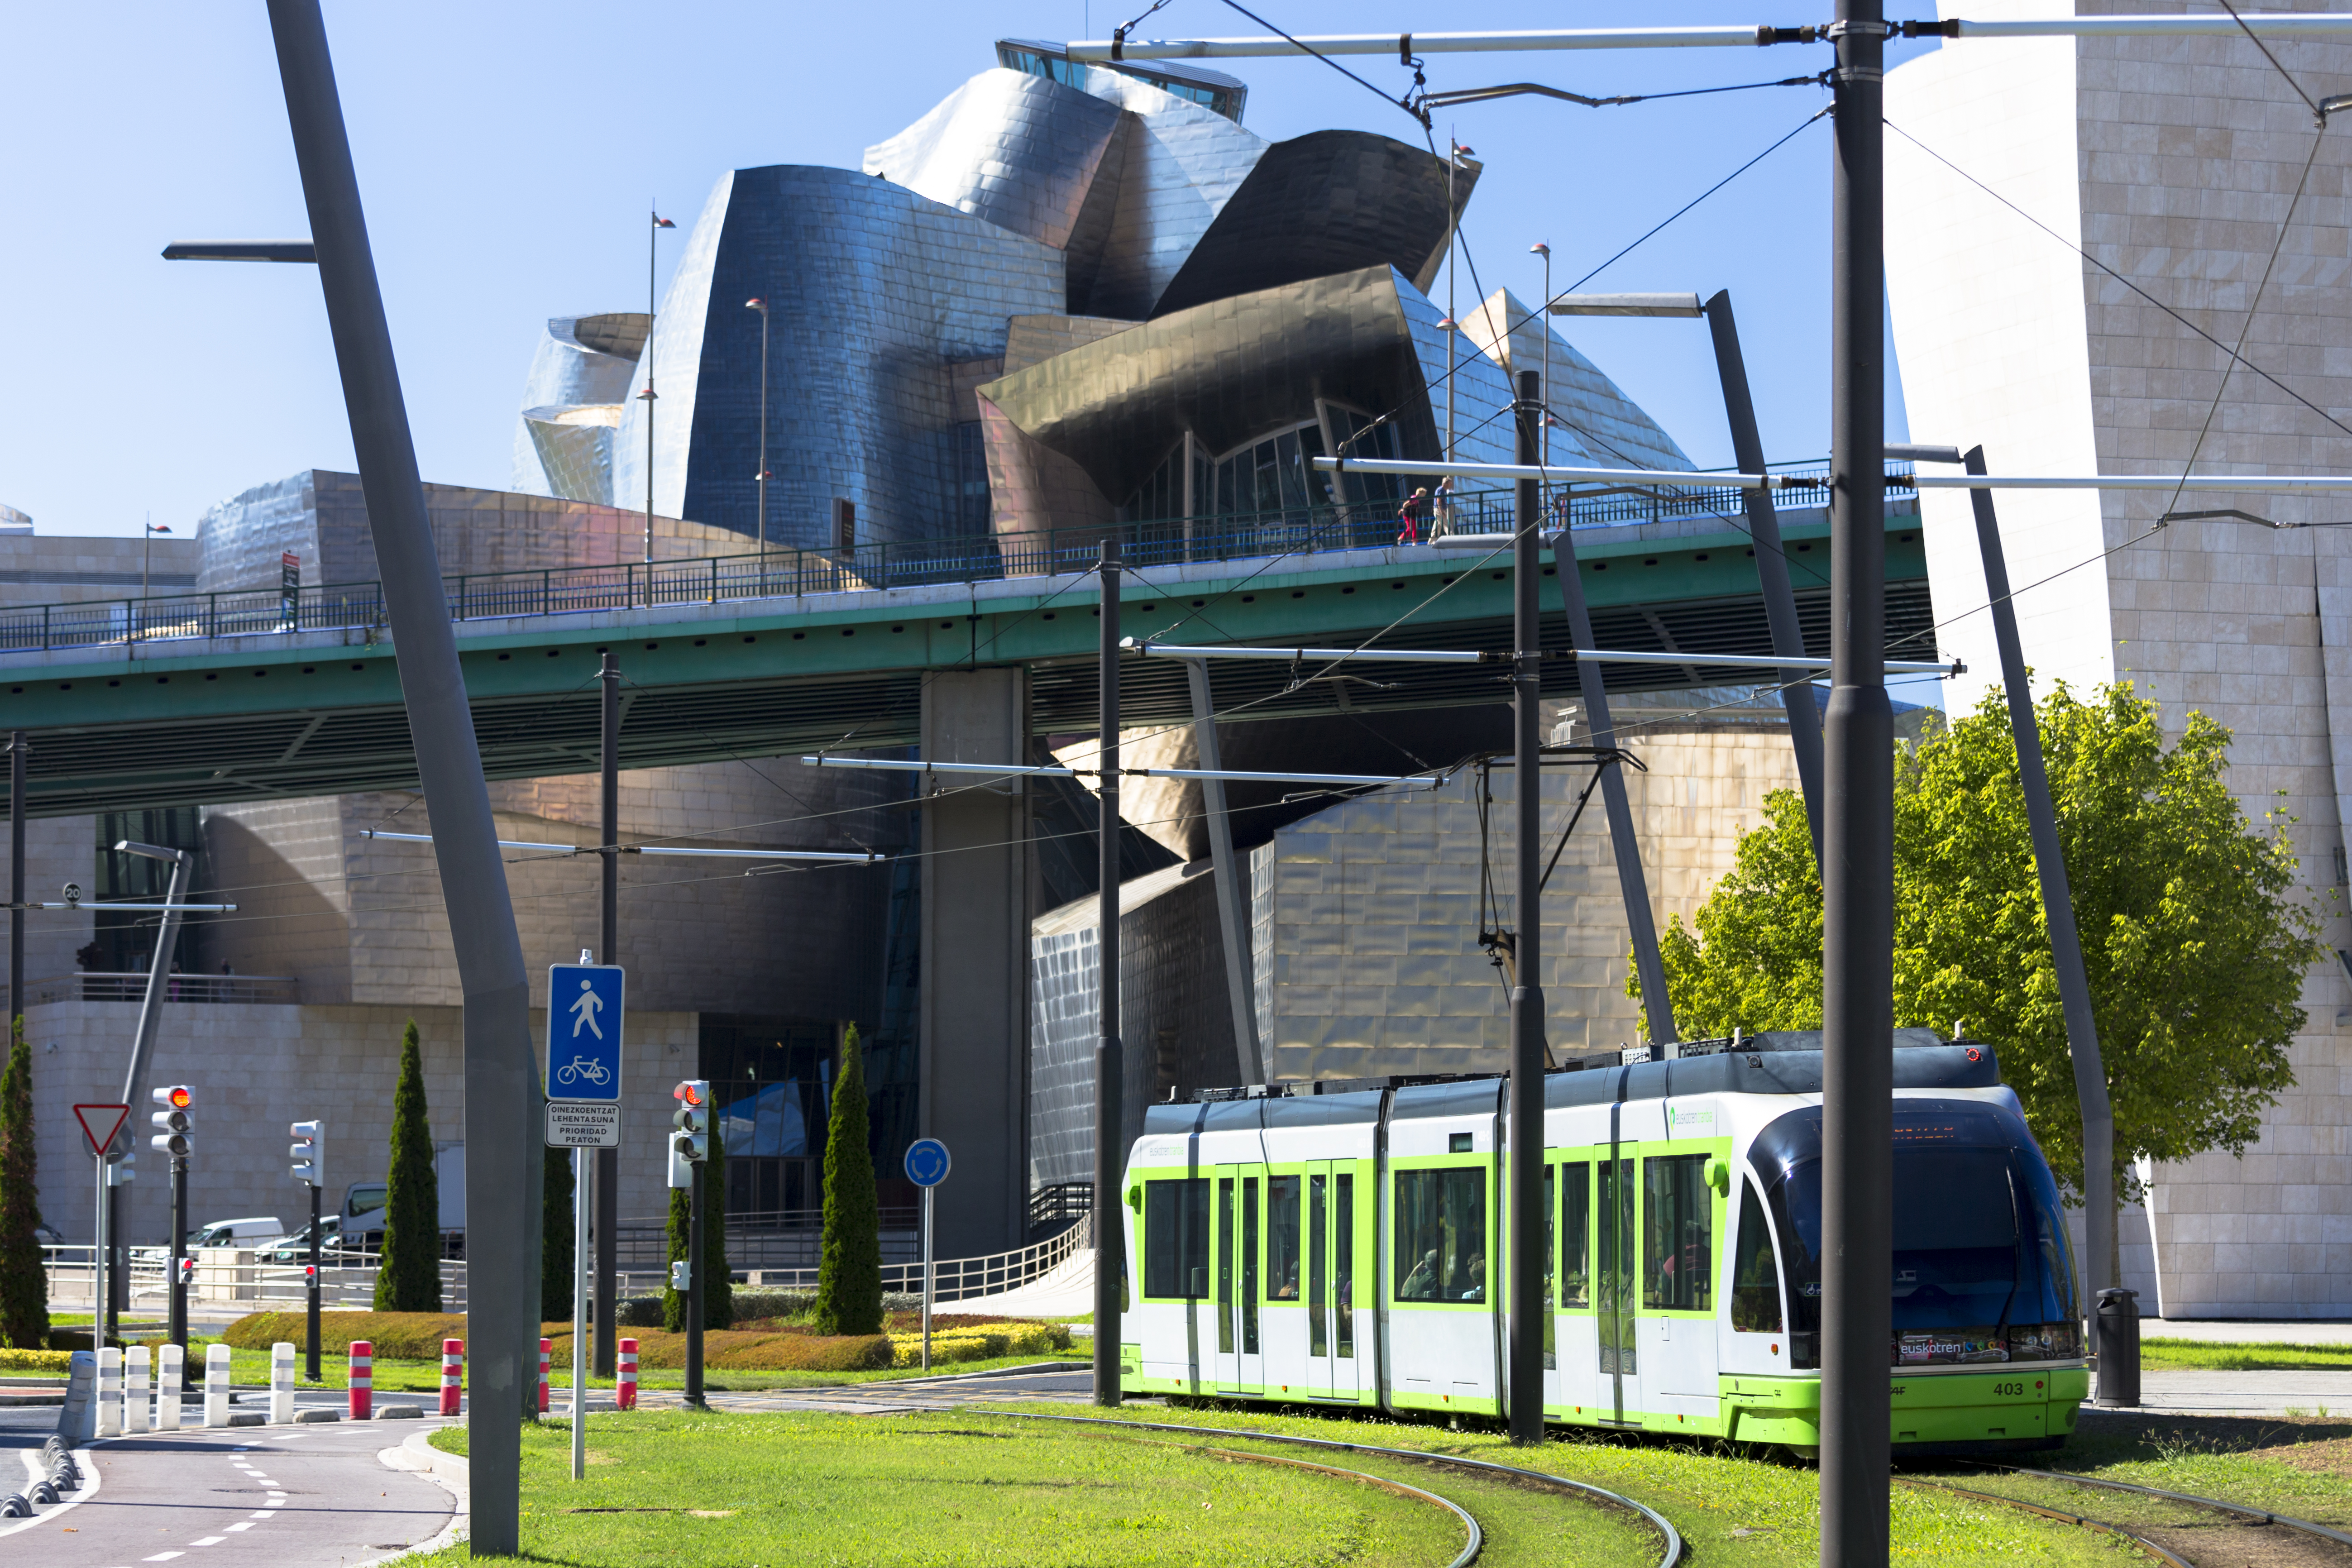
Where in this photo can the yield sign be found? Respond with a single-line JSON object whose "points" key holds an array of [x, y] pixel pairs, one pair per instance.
{"points": [[100, 1123]]}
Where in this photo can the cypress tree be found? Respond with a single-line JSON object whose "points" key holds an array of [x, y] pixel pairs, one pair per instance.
{"points": [[676, 1232], [410, 1278], [849, 1274], [555, 1236], [24, 1289]]}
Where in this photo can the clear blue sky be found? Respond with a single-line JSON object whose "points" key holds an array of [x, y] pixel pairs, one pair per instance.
{"points": [[507, 153]]}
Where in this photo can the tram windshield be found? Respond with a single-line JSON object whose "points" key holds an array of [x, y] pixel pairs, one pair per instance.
{"points": [[1982, 1272]]}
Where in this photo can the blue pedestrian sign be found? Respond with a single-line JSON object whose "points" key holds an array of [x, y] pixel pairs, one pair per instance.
{"points": [[927, 1162], [584, 1031]]}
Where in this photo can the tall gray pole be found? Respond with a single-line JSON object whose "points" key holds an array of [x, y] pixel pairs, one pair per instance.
{"points": [[1528, 1052], [608, 1160], [760, 306], [1110, 1075], [17, 752], [1633, 886], [653, 234], [1233, 915], [503, 1145], [1857, 837], [159, 972], [2057, 910], [1771, 558]]}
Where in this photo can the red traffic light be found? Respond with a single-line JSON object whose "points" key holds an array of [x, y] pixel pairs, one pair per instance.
{"points": [[176, 1096], [689, 1091]]}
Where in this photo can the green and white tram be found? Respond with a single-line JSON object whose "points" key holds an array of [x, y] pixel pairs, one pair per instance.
{"points": [[1346, 1249]]}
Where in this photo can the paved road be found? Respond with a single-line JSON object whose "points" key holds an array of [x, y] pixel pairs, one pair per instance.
{"points": [[2169, 1392], [282, 1497]]}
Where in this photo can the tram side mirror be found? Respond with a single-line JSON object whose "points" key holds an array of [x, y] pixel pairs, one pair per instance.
{"points": [[1135, 1198], [1718, 1176]]}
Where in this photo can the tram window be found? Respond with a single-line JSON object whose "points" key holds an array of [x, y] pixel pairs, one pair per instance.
{"points": [[1343, 1272], [1176, 1238], [1575, 1233], [1249, 1266], [1225, 1265], [1956, 1238], [1318, 1246], [1619, 1348], [1677, 1235], [1551, 1269], [1440, 1236], [1755, 1270], [1282, 1239]]}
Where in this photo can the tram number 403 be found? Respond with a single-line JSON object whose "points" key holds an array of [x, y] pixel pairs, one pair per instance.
{"points": [[2008, 1388]]}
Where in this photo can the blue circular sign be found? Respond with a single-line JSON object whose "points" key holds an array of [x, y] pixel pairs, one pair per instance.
{"points": [[927, 1162]]}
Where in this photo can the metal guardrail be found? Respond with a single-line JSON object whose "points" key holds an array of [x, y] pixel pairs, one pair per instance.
{"points": [[234, 1279], [783, 574], [961, 1278], [107, 986]]}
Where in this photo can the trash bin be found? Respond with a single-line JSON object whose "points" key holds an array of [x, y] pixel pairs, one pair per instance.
{"points": [[2118, 1328]]}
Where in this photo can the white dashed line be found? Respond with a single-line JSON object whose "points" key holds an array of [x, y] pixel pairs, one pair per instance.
{"points": [[164, 1556], [242, 1524], [265, 1514], [209, 1541]]}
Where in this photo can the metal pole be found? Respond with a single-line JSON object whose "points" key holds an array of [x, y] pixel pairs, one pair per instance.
{"points": [[694, 1290], [310, 1333], [118, 1260], [1233, 915], [653, 234], [1857, 837], [16, 754], [159, 973], [608, 1160], [176, 1327], [1110, 1075], [926, 1278], [1453, 322], [98, 1262], [1528, 1052], [501, 1095], [763, 428], [1633, 888], [579, 1254], [1771, 558], [2057, 911]]}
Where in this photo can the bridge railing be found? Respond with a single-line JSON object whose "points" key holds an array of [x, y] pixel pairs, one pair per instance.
{"points": [[105, 985], [783, 574]]}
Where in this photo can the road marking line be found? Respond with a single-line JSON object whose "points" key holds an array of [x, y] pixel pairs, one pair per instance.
{"points": [[163, 1556], [242, 1524], [267, 1513], [83, 1462], [209, 1541]]}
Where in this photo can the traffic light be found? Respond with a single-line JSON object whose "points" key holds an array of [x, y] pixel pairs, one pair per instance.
{"points": [[690, 1145], [187, 1271], [171, 1123], [310, 1152]]}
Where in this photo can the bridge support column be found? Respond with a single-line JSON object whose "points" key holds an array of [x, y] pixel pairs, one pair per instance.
{"points": [[975, 945]]}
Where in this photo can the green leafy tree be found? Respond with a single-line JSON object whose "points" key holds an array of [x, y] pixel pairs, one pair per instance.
{"points": [[849, 1273], [717, 1281], [555, 1236], [410, 1278], [2193, 940], [24, 1287]]}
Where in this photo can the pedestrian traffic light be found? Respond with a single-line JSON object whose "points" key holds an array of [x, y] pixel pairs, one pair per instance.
{"points": [[310, 1152], [690, 1145], [187, 1271], [171, 1123]]}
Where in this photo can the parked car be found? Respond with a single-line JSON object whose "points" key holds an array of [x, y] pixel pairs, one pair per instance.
{"points": [[257, 1231]]}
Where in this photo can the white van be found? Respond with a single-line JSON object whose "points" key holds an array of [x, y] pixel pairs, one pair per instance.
{"points": [[257, 1231]]}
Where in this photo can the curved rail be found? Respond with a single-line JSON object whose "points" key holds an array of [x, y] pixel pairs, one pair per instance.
{"points": [[2142, 1541], [1476, 1539], [2243, 1511], [1673, 1538]]}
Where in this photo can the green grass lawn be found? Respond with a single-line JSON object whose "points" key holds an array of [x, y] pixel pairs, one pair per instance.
{"points": [[688, 1491], [2241, 1355]]}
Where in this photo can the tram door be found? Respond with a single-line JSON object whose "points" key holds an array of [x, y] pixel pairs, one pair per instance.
{"points": [[1241, 1247], [1616, 1299], [1330, 1284]]}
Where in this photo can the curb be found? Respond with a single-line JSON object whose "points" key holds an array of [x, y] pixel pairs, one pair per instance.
{"points": [[447, 1472]]}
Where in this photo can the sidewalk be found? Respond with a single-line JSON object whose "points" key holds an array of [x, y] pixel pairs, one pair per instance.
{"points": [[2274, 1331], [2166, 1391]]}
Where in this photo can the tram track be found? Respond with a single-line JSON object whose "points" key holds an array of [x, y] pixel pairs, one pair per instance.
{"points": [[2318, 1543], [1674, 1552]]}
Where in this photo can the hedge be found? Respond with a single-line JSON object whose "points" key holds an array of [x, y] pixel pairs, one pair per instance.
{"points": [[739, 1350], [980, 1344], [23, 1362]]}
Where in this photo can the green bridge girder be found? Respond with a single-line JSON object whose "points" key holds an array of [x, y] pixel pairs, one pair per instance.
{"points": [[217, 721]]}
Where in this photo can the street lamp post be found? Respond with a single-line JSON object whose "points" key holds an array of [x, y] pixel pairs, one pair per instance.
{"points": [[761, 306], [649, 396], [1543, 415]]}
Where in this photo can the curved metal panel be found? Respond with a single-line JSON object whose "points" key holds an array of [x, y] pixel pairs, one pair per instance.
{"points": [[582, 360], [1331, 201], [1018, 150], [1597, 421]]}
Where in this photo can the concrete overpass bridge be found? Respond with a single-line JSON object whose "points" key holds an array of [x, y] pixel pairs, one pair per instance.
{"points": [[225, 697]]}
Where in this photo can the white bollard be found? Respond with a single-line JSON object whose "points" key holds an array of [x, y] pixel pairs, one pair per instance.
{"points": [[171, 1374], [282, 1385], [109, 1392], [217, 1386], [134, 1389]]}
